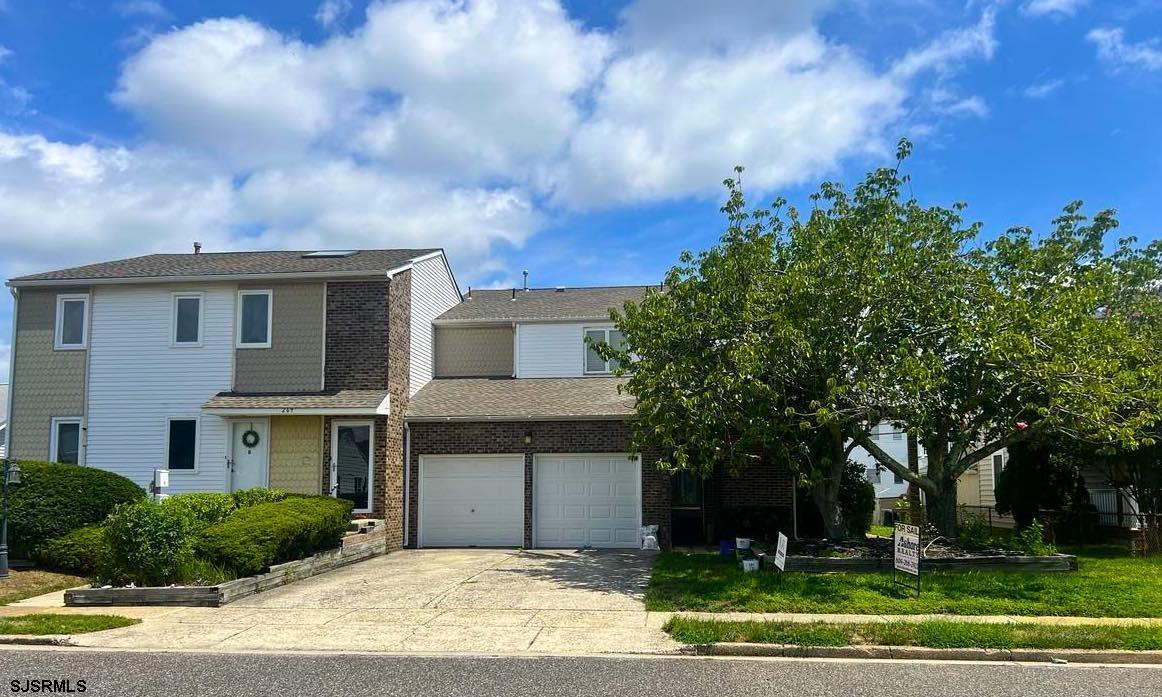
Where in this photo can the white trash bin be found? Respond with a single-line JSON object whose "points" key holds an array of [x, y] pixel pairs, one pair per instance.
{"points": [[650, 537]]}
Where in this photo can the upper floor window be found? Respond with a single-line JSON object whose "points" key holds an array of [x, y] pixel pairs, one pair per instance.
{"points": [[254, 317], [72, 331], [187, 319], [66, 440], [998, 463], [594, 363]]}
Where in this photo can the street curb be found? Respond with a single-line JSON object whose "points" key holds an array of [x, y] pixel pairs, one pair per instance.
{"points": [[926, 654], [37, 639]]}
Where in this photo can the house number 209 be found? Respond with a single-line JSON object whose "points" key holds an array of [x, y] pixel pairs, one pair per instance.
{"points": [[288, 410]]}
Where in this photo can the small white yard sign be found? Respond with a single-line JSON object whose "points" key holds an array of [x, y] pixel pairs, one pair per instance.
{"points": [[907, 556], [781, 552]]}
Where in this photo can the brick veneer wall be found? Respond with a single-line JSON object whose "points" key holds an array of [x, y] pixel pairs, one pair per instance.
{"points": [[357, 335], [369, 347], [547, 437], [765, 485]]}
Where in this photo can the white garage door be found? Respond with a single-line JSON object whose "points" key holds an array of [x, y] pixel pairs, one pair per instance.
{"points": [[587, 500], [472, 500]]}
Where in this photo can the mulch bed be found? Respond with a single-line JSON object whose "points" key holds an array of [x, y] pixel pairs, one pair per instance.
{"points": [[881, 548]]}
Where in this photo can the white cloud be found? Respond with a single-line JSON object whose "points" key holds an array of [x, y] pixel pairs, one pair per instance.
{"points": [[951, 49], [681, 24], [1115, 51], [668, 124], [149, 9], [945, 102], [1040, 90], [332, 12], [1059, 8]]}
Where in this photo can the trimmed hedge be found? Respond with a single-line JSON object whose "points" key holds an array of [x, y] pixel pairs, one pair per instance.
{"points": [[256, 537], [54, 499], [257, 495], [206, 508], [79, 552]]}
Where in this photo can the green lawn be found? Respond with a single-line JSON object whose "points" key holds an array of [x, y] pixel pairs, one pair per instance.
{"points": [[882, 530], [33, 582], [61, 624], [935, 634], [1109, 583]]}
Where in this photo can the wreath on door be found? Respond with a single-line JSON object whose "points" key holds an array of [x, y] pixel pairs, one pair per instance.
{"points": [[250, 438]]}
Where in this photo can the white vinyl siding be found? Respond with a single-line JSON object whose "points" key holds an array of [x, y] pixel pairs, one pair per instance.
{"points": [[137, 383], [552, 350], [433, 294]]}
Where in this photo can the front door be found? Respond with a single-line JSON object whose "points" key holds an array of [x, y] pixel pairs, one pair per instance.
{"points": [[249, 449], [352, 448]]}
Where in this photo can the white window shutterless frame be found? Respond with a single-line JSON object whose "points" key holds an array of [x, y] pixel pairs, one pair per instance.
{"points": [[71, 332], [594, 363], [67, 440], [187, 320], [253, 317]]}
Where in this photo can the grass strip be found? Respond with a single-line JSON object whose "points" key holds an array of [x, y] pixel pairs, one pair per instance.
{"points": [[929, 633], [61, 624], [22, 584]]}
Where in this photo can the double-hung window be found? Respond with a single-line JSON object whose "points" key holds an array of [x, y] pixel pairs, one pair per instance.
{"points": [[72, 327], [254, 319], [187, 319], [594, 363], [181, 444], [65, 445]]}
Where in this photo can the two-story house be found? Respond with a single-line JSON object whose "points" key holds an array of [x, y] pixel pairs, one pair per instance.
{"points": [[522, 438], [231, 370]]}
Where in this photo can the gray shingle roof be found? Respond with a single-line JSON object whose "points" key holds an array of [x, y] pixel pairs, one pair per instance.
{"points": [[231, 264], [358, 401], [508, 399], [543, 304]]}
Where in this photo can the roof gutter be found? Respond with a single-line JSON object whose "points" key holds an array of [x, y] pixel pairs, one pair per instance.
{"points": [[510, 418], [206, 278], [523, 320]]}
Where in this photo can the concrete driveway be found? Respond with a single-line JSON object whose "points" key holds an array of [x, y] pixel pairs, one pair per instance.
{"points": [[431, 601]]}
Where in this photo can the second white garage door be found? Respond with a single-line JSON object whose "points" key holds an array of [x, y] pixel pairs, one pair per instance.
{"points": [[587, 500], [472, 500]]}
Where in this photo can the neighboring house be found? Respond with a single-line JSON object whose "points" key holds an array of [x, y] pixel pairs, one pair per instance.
{"points": [[522, 437], [3, 420], [231, 370], [889, 486]]}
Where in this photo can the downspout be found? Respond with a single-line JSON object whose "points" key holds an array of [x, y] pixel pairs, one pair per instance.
{"points": [[407, 481], [11, 372]]}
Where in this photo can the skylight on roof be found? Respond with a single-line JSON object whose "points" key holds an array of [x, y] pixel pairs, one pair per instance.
{"points": [[329, 253]]}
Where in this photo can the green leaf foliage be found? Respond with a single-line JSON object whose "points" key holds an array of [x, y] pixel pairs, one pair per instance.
{"points": [[206, 508], [53, 499], [79, 551], [149, 544], [255, 537], [257, 495]]}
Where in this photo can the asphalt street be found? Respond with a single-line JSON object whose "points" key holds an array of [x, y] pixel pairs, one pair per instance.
{"points": [[173, 674]]}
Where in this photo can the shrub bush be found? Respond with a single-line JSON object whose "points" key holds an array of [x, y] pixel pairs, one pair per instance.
{"points": [[257, 495], [54, 499], [206, 508], [255, 537], [79, 551], [1031, 540], [149, 544]]}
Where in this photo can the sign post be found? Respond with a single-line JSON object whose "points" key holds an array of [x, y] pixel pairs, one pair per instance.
{"points": [[906, 557], [781, 553]]}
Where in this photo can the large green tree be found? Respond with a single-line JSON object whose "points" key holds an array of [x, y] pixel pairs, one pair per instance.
{"points": [[795, 335]]}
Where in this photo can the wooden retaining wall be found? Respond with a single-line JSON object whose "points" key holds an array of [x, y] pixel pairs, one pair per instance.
{"points": [[353, 548]]}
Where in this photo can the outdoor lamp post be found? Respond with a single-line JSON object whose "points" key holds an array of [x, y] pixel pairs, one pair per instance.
{"points": [[11, 475]]}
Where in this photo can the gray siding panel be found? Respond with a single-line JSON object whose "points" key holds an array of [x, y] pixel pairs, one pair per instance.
{"points": [[45, 382], [474, 352], [294, 361]]}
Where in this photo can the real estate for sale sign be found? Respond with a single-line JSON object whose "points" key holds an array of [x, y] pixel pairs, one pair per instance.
{"points": [[907, 544]]}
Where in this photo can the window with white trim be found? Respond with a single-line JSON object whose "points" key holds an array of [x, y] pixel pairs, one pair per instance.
{"points": [[998, 463], [187, 319], [66, 440], [594, 363], [254, 319], [72, 330], [181, 444]]}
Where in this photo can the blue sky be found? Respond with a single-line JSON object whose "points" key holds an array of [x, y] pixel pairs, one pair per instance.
{"points": [[584, 141]]}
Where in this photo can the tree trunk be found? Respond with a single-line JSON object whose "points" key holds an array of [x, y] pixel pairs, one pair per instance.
{"points": [[825, 494], [915, 510], [942, 508]]}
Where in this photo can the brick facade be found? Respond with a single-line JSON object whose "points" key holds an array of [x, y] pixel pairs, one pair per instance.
{"points": [[357, 335], [758, 502], [368, 347], [460, 438]]}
